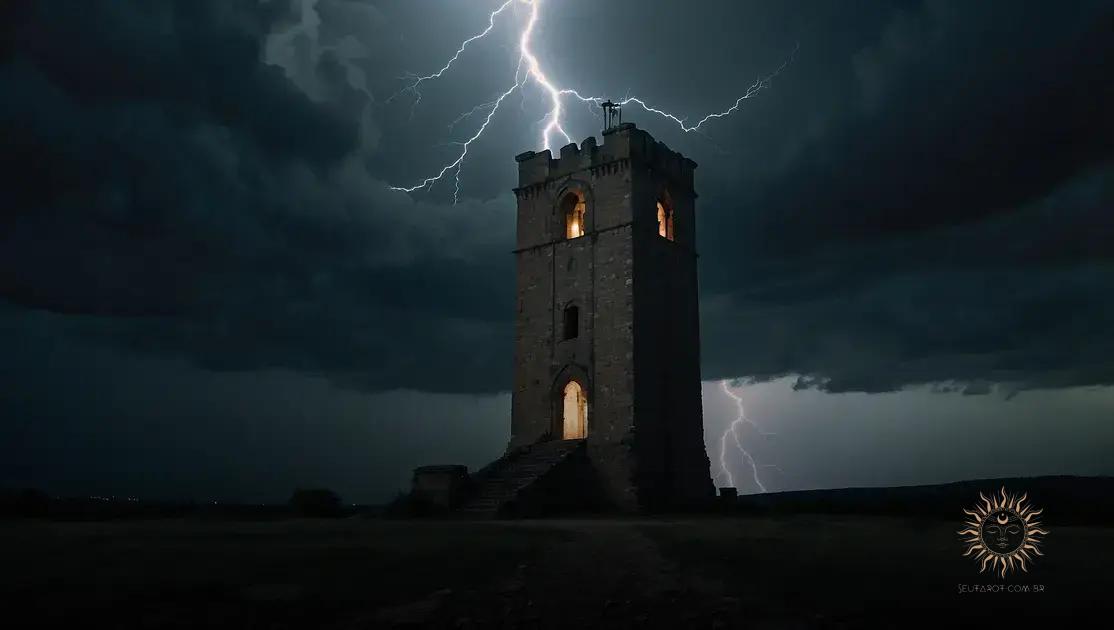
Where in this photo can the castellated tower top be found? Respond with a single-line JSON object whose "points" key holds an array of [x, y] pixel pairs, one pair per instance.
{"points": [[622, 143]]}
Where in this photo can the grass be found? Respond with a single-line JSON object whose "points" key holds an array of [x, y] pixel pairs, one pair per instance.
{"points": [[771, 571], [227, 574]]}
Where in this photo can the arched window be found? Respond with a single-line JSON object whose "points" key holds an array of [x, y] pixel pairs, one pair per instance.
{"points": [[665, 221], [572, 207], [572, 322]]}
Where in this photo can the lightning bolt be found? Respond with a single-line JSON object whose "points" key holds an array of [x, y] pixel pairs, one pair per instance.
{"points": [[529, 69], [733, 431], [416, 81], [759, 84]]}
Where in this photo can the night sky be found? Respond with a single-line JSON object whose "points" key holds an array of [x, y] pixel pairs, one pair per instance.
{"points": [[208, 290]]}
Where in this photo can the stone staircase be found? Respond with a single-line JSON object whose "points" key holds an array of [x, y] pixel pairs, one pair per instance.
{"points": [[500, 484]]}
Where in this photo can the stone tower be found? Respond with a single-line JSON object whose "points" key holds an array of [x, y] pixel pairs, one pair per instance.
{"points": [[607, 337]]}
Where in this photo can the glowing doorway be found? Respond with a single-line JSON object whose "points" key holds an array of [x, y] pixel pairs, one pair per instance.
{"points": [[575, 417]]}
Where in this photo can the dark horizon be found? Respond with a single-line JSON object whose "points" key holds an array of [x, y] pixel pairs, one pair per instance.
{"points": [[755, 498]]}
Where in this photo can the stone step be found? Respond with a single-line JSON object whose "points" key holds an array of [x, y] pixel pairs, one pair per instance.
{"points": [[509, 480], [503, 485], [514, 472], [533, 469], [548, 458], [517, 471]]}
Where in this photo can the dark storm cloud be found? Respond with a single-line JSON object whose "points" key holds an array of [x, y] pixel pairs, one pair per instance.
{"points": [[960, 112], [176, 195], [924, 195], [952, 224]]}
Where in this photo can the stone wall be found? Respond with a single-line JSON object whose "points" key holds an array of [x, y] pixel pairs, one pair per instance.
{"points": [[674, 467], [444, 487], [637, 351]]}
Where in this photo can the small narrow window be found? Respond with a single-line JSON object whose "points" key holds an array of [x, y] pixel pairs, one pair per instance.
{"points": [[573, 207], [572, 322], [665, 221]]}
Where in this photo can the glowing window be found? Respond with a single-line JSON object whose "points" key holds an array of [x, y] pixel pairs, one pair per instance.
{"points": [[665, 221], [573, 206]]}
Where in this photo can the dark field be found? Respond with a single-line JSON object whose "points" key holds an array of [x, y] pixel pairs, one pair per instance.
{"points": [[762, 572]]}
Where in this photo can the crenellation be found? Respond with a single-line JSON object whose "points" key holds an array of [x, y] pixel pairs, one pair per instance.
{"points": [[621, 145], [533, 167]]}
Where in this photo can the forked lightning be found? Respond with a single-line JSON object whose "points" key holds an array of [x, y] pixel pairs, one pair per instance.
{"points": [[529, 70]]}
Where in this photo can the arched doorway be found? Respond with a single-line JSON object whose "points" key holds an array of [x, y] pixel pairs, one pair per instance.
{"points": [[574, 412]]}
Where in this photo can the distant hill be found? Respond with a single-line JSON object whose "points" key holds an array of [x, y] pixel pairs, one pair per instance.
{"points": [[1065, 499], [36, 503]]}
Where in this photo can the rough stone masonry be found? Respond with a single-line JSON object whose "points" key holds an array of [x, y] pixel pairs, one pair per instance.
{"points": [[627, 274]]}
